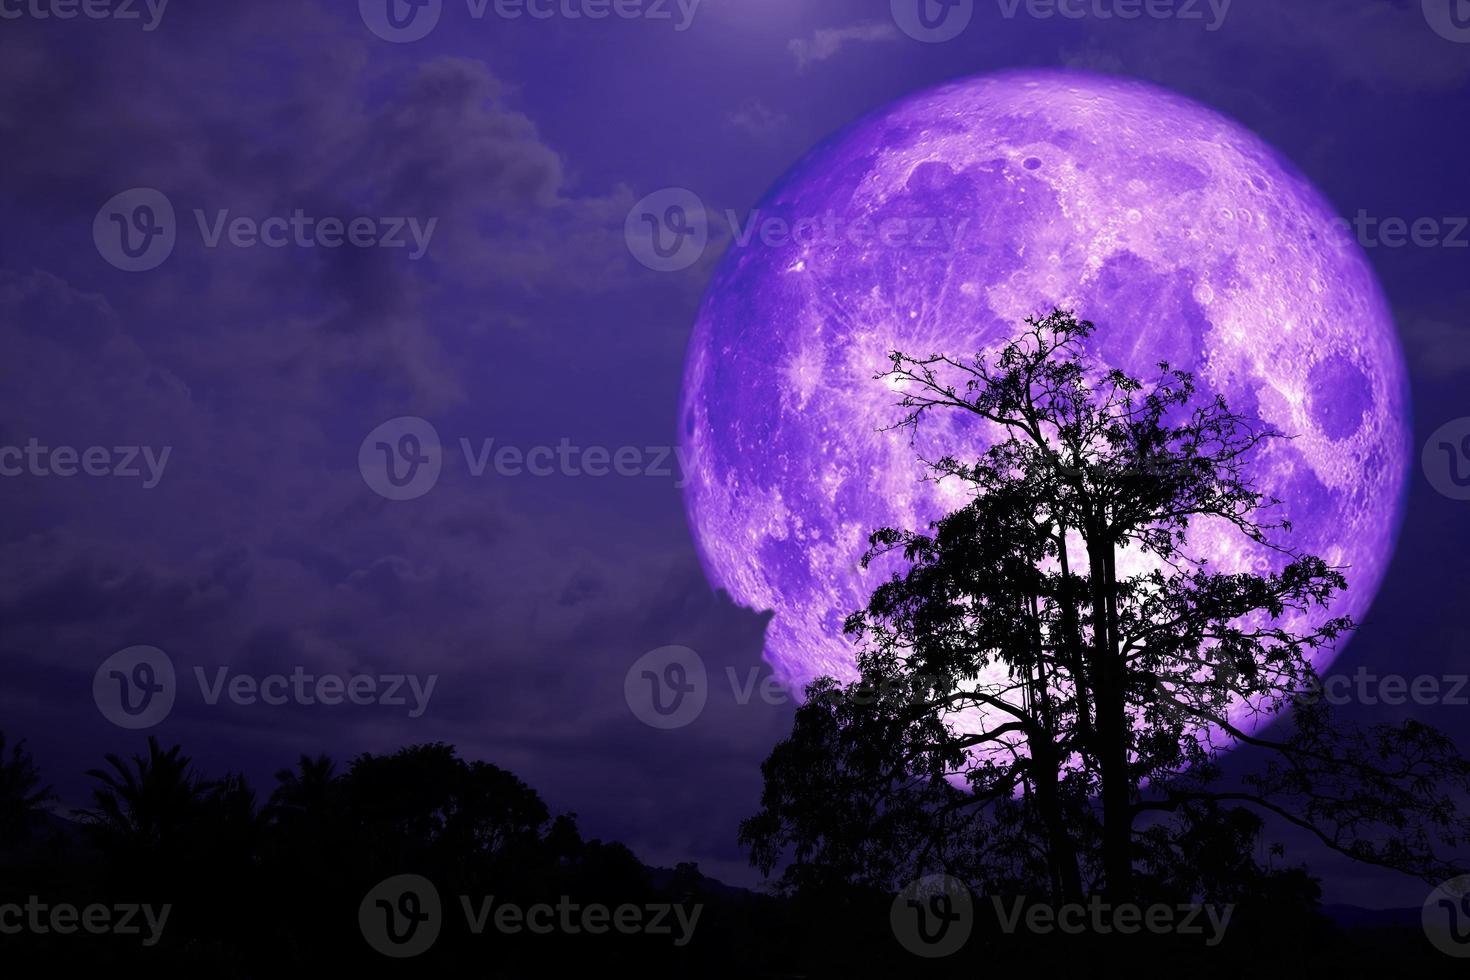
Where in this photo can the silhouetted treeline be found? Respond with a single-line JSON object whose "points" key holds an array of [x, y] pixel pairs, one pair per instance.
{"points": [[259, 885], [272, 885]]}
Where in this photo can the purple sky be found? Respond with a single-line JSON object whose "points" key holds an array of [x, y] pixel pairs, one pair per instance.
{"points": [[528, 321]]}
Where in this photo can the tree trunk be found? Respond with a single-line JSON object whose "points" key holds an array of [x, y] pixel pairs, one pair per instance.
{"points": [[1072, 640], [1061, 853], [1046, 768], [1112, 720]]}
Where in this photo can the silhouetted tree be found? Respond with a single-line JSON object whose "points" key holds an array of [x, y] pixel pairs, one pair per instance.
{"points": [[303, 789], [270, 891], [1073, 696], [22, 795], [148, 806]]}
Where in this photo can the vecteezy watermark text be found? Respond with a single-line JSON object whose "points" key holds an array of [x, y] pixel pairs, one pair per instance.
{"points": [[936, 21], [402, 459], [148, 12], [1446, 917], [1102, 918], [1446, 459], [1186, 10], [1450, 19], [35, 459], [136, 688], [935, 915], [137, 230], [669, 687], [405, 21], [1367, 687], [1371, 231], [98, 919], [402, 916], [669, 230]]}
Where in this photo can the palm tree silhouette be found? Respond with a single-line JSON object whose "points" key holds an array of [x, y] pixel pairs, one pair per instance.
{"points": [[149, 805], [21, 794], [304, 788]]}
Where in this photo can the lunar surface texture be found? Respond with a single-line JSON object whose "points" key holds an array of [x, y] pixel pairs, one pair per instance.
{"points": [[937, 225]]}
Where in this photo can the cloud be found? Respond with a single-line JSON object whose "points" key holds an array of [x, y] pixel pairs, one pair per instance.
{"points": [[757, 119], [262, 369], [1384, 43], [828, 41], [1380, 45], [1437, 348]]}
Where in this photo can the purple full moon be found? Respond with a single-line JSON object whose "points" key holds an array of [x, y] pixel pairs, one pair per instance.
{"points": [[936, 225]]}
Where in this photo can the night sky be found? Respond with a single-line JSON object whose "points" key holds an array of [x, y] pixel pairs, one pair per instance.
{"points": [[522, 315]]}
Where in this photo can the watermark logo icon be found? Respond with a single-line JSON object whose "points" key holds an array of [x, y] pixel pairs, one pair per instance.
{"points": [[668, 230], [933, 21], [135, 688], [401, 916], [1449, 18], [933, 917], [1446, 917], [402, 458], [667, 688], [401, 21], [136, 230], [1446, 459]]}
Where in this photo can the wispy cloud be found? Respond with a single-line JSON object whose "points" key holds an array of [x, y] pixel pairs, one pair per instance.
{"points": [[1436, 347], [827, 41], [757, 119]]}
